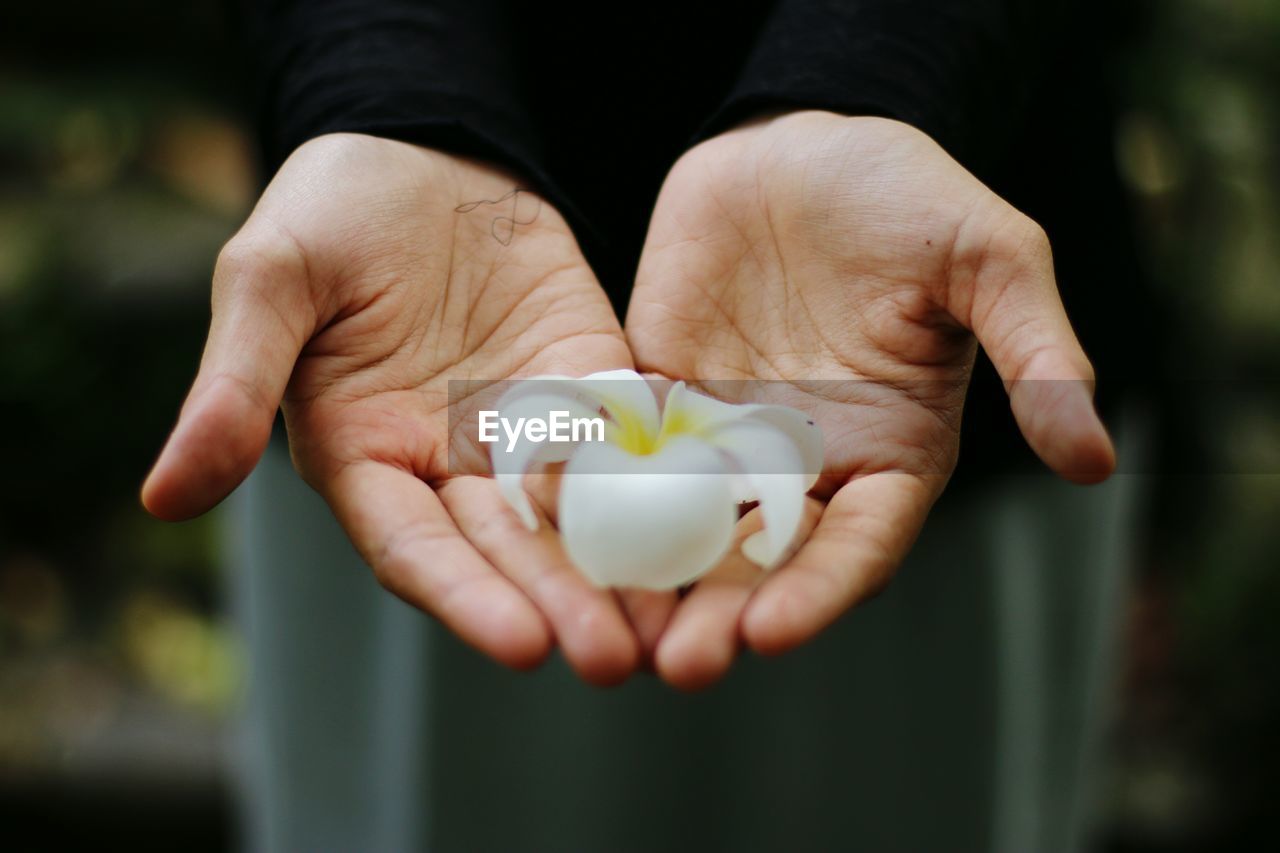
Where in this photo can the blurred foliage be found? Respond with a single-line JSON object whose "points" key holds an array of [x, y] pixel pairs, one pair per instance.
{"points": [[117, 186], [124, 165], [1196, 749]]}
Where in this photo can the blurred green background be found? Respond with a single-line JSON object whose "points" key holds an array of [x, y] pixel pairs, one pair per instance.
{"points": [[125, 162]]}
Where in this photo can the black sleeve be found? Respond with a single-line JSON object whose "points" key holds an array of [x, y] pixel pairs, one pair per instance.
{"points": [[432, 72], [960, 70]]}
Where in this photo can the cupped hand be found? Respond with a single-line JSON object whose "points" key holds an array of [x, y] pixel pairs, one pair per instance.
{"points": [[370, 273], [855, 261]]}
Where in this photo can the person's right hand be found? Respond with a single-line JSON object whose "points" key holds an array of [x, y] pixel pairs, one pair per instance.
{"points": [[355, 291]]}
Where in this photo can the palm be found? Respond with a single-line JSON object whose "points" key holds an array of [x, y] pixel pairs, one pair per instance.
{"points": [[370, 274], [781, 263], [429, 295], [849, 258]]}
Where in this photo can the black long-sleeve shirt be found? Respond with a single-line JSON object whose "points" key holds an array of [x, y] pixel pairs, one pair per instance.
{"points": [[591, 103]]}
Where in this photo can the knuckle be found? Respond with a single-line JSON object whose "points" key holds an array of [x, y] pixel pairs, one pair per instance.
{"points": [[500, 526], [391, 574], [252, 260], [398, 561], [1019, 240], [417, 564], [996, 242], [1036, 242]]}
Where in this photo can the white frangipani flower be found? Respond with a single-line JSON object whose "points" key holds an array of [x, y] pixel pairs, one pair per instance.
{"points": [[655, 504]]}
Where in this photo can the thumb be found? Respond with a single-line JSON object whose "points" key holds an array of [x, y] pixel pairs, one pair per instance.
{"points": [[262, 317], [1018, 317]]}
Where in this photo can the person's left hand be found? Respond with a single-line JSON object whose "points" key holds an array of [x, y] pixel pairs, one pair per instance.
{"points": [[820, 247]]}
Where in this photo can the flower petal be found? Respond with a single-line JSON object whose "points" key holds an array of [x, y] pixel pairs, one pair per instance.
{"points": [[774, 467], [627, 398], [688, 411], [657, 521], [624, 395], [510, 466]]}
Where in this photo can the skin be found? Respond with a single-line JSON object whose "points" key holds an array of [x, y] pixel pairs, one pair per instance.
{"points": [[817, 246], [350, 297], [808, 246]]}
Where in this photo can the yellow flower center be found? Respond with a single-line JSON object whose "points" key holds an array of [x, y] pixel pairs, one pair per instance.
{"points": [[627, 431]]}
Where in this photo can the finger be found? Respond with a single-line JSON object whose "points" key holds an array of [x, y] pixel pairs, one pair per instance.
{"points": [[402, 530], [862, 536], [261, 319], [702, 639], [590, 627], [1018, 316], [648, 611]]}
